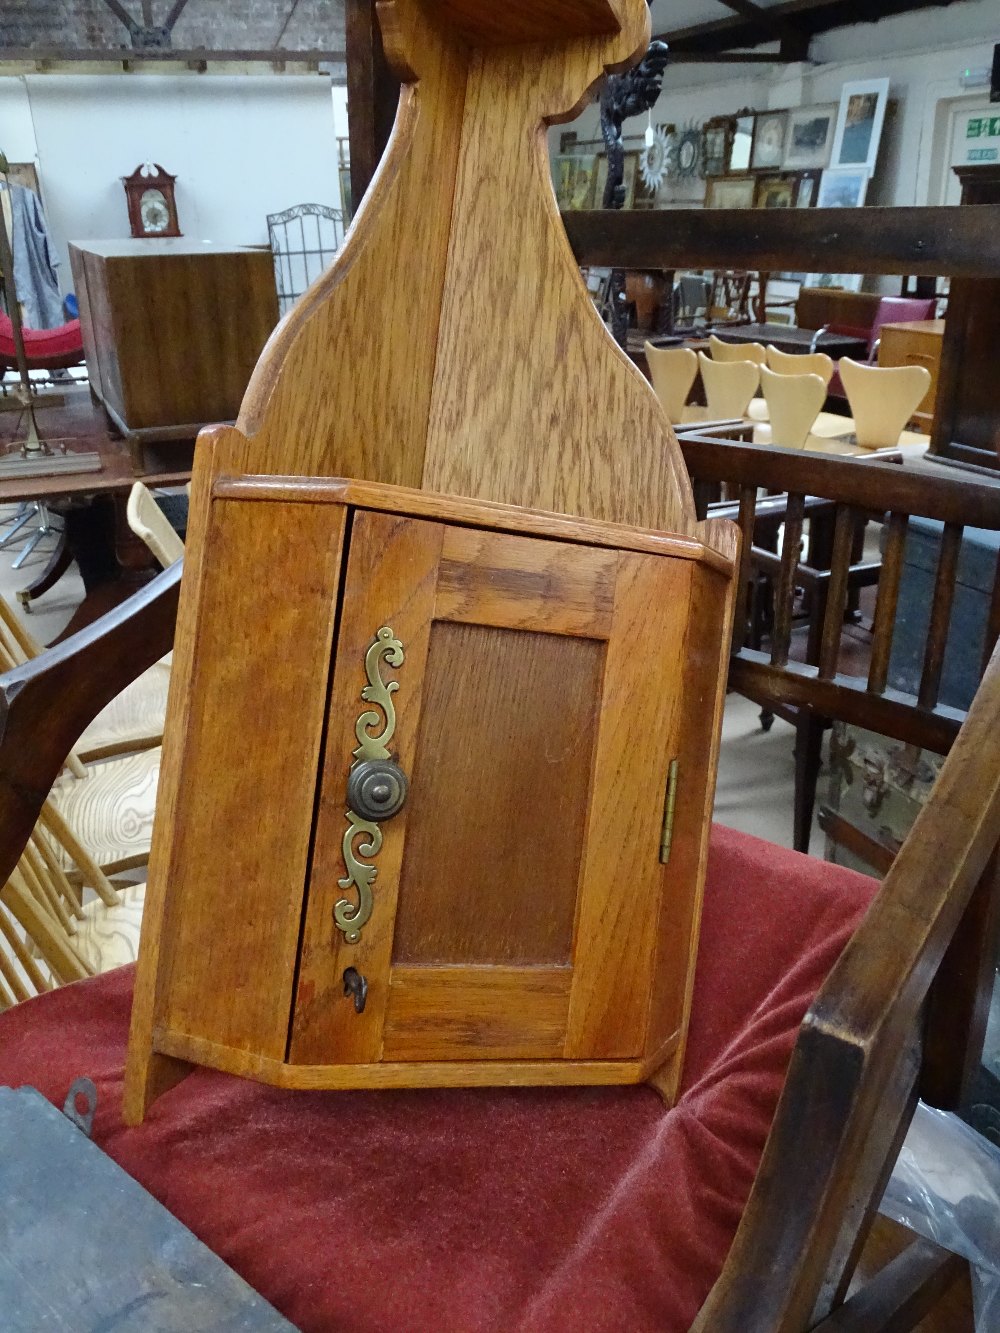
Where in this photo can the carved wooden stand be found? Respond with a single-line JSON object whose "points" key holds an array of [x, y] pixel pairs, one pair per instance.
{"points": [[547, 684]]}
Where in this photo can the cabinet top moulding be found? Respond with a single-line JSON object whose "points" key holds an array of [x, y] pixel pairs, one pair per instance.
{"points": [[720, 555]]}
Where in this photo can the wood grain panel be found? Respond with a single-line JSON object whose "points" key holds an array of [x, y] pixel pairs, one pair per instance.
{"points": [[391, 576], [343, 388], [488, 1013], [537, 420], [622, 875], [248, 775], [700, 704], [499, 797], [161, 362], [488, 578], [528, 21], [148, 1073], [399, 1074]]}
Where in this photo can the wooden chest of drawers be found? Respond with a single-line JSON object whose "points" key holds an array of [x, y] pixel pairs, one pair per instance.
{"points": [[172, 330], [917, 343], [462, 761]]}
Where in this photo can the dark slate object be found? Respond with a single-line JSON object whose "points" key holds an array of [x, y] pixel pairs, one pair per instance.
{"points": [[977, 567], [83, 1247]]}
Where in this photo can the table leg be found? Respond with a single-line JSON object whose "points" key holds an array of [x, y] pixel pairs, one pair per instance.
{"points": [[58, 563]]}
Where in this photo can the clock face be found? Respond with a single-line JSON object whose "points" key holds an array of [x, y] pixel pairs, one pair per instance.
{"points": [[154, 212]]}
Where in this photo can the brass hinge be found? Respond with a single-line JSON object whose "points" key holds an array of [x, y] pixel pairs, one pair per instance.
{"points": [[668, 812]]}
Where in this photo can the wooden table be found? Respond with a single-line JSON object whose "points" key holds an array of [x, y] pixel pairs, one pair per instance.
{"points": [[92, 504], [172, 330], [787, 338]]}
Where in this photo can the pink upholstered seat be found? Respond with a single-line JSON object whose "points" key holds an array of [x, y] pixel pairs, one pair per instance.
{"points": [[891, 310], [45, 349], [490, 1209]]}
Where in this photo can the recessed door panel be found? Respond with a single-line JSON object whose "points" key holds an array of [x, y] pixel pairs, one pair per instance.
{"points": [[504, 912]]}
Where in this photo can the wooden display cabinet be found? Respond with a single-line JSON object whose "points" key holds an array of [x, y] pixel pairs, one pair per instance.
{"points": [[548, 690]]}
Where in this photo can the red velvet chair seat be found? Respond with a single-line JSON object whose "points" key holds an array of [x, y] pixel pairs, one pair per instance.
{"points": [[520, 1209], [45, 349]]}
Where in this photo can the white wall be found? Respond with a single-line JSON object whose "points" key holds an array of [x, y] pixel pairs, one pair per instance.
{"points": [[923, 54], [241, 146]]}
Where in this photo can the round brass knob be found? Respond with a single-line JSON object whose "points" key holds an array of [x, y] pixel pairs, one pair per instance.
{"points": [[377, 789]]}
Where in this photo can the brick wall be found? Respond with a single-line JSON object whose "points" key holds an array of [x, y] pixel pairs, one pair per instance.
{"points": [[215, 24]]}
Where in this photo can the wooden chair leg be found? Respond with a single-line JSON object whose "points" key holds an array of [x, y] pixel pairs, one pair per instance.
{"points": [[808, 755]]}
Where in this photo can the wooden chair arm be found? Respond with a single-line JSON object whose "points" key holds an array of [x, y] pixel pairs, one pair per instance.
{"points": [[852, 1081], [47, 703]]}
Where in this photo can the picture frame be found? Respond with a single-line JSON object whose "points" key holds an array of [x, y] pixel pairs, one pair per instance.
{"points": [[575, 177], [842, 188], [847, 282], [775, 192], [730, 192], [716, 138], [860, 121], [807, 188], [741, 144], [809, 139], [768, 151], [630, 177]]}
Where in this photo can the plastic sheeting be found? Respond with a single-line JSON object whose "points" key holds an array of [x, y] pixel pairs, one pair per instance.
{"points": [[946, 1186]]}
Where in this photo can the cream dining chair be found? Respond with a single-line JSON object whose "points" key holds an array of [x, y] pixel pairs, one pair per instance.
{"points": [[148, 521], [673, 371], [729, 385], [793, 404], [723, 351], [882, 399], [806, 363]]}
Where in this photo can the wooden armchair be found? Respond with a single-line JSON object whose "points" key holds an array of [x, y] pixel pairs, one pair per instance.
{"points": [[889, 1024], [839, 497]]}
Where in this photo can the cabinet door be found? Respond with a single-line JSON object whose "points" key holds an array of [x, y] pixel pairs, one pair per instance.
{"points": [[530, 691]]}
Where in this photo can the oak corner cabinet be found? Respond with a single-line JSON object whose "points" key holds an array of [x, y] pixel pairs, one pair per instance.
{"points": [[461, 761]]}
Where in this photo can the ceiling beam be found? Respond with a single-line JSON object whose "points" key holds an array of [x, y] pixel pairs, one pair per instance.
{"points": [[122, 54], [794, 40], [810, 17], [731, 58]]}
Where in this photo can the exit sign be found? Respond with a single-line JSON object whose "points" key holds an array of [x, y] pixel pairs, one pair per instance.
{"points": [[983, 127]]}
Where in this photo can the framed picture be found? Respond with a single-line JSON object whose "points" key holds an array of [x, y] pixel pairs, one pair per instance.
{"points": [[810, 137], [769, 140], [630, 177], [844, 282], [715, 144], [775, 192], [859, 124], [842, 189], [740, 145], [807, 189], [731, 192], [575, 180], [600, 181]]}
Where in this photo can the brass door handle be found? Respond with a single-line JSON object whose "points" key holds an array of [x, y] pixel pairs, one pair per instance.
{"points": [[376, 786], [377, 789]]}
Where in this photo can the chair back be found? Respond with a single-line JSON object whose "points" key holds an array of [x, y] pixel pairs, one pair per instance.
{"points": [[793, 404], [900, 310], [41, 910], [882, 399], [148, 521], [672, 371], [806, 363], [723, 351], [874, 1039], [729, 385]]}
